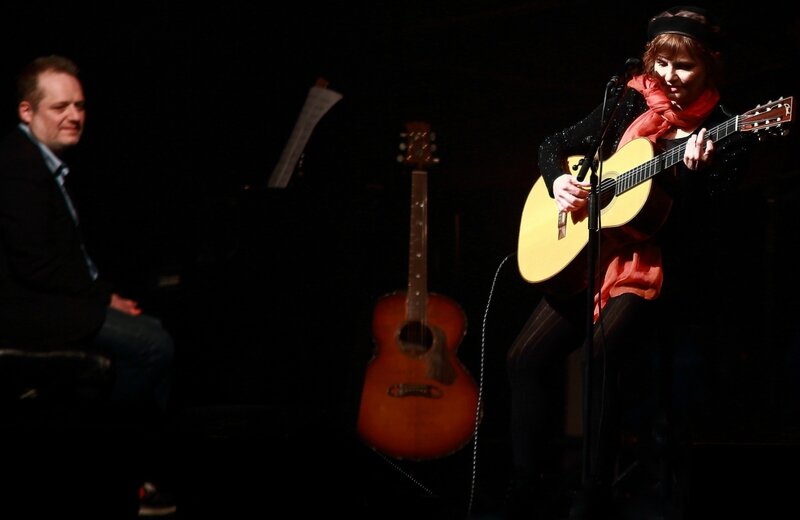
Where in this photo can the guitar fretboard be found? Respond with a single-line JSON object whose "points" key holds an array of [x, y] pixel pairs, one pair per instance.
{"points": [[773, 114], [671, 157], [417, 296]]}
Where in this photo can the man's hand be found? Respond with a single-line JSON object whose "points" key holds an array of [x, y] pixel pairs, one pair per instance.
{"points": [[125, 305]]}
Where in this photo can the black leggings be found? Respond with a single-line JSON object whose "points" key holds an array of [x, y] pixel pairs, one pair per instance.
{"points": [[536, 363]]}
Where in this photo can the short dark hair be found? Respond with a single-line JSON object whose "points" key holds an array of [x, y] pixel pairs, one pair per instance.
{"points": [[28, 79]]}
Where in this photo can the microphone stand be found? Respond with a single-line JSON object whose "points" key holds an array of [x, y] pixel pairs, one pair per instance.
{"points": [[592, 253]]}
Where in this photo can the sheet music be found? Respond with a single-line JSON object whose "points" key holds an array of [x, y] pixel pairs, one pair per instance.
{"points": [[319, 100]]}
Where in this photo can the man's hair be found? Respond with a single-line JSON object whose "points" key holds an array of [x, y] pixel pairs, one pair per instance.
{"points": [[28, 79]]}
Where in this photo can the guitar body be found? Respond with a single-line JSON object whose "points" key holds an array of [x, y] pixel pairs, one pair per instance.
{"points": [[418, 401], [551, 250]]}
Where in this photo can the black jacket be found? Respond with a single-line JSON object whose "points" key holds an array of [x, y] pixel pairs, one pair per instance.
{"points": [[47, 297]]}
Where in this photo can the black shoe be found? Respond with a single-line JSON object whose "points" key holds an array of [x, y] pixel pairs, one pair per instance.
{"points": [[153, 502]]}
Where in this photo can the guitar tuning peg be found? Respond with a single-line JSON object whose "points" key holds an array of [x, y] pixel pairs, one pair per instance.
{"points": [[400, 158], [403, 146], [433, 136], [433, 147]]}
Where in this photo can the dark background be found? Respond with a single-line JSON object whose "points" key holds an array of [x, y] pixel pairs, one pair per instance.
{"points": [[189, 109]]}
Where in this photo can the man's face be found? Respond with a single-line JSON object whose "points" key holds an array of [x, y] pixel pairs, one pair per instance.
{"points": [[58, 119]]}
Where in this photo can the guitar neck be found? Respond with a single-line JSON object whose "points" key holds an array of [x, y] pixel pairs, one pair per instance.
{"points": [[670, 158], [418, 150], [417, 296]]}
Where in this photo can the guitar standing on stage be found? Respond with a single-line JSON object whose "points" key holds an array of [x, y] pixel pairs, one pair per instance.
{"points": [[418, 400], [672, 102]]}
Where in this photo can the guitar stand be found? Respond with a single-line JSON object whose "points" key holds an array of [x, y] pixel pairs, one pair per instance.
{"points": [[406, 474]]}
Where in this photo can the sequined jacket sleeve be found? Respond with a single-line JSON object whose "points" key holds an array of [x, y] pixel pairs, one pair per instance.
{"points": [[576, 139]]}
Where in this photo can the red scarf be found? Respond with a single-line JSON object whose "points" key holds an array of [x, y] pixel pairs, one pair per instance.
{"points": [[662, 114], [637, 268]]}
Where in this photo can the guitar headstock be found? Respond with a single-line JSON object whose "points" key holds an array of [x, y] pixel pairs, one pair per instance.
{"points": [[773, 115], [419, 146]]}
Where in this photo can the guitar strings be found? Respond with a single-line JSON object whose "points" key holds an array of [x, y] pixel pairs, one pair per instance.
{"points": [[648, 169]]}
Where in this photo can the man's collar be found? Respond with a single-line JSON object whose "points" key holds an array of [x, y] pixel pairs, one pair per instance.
{"points": [[51, 159]]}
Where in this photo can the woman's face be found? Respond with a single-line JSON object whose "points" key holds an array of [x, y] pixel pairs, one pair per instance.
{"points": [[682, 77]]}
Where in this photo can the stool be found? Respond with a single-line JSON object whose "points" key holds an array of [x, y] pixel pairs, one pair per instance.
{"points": [[42, 391], [55, 416], [57, 376]]}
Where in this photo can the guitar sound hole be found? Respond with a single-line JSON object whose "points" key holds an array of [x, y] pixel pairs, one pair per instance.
{"points": [[416, 338], [608, 190]]}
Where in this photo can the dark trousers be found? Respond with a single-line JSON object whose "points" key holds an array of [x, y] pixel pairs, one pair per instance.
{"points": [[142, 352], [535, 362]]}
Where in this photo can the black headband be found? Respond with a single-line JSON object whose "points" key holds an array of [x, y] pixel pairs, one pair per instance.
{"points": [[685, 26]]}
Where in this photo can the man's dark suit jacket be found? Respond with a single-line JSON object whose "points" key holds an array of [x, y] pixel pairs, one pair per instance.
{"points": [[47, 297]]}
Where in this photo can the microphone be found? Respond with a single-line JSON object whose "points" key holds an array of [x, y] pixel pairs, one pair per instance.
{"points": [[631, 67]]}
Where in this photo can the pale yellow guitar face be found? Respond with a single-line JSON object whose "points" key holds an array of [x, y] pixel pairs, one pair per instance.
{"points": [[548, 242]]}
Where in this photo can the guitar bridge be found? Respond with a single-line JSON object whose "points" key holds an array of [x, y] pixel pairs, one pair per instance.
{"points": [[562, 224], [411, 390]]}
